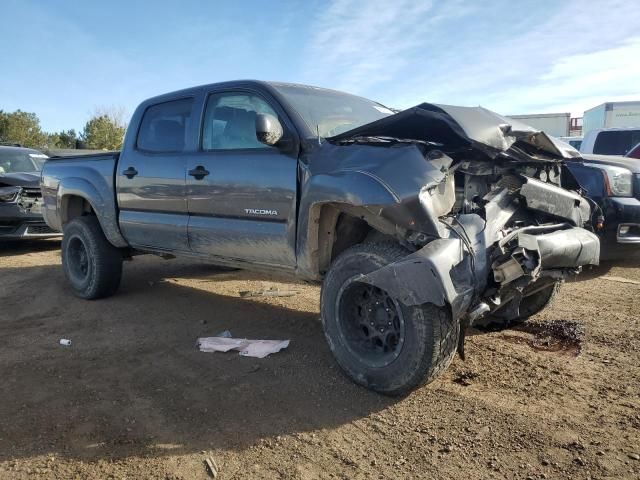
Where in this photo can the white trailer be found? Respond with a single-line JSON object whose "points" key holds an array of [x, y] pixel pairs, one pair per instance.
{"points": [[555, 124], [612, 115]]}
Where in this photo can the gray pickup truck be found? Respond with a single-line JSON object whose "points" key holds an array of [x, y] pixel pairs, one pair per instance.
{"points": [[417, 223]]}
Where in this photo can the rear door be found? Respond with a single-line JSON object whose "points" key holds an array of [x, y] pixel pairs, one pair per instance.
{"points": [[242, 193], [151, 177]]}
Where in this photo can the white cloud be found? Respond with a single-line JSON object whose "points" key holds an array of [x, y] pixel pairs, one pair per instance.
{"points": [[354, 45], [578, 82], [508, 57], [581, 53]]}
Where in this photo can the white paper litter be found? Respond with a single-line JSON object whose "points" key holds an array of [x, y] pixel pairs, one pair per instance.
{"points": [[247, 348], [221, 344], [262, 348]]}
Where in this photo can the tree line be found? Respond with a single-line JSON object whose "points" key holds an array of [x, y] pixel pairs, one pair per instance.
{"points": [[103, 131]]}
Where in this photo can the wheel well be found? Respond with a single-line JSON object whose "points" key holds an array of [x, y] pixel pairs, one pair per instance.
{"points": [[74, 206], [339, 230]]}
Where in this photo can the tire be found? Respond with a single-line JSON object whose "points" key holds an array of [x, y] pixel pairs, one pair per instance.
{"points": [[537, 302], [91, 264], [529, 306], [419, 341]]}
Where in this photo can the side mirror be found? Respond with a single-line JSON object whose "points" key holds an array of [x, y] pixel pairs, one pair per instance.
{"points": [[268, 129]]}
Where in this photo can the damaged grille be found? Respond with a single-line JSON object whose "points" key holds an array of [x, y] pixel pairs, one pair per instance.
{"points": [[30, 200], [31, 192]]}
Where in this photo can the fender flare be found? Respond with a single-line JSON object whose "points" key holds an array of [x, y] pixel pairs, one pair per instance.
{"points": [[103, 205], [347, 189]]}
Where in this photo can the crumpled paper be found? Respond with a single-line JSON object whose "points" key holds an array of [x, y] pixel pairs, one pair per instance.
{"points": [[246, 347]]}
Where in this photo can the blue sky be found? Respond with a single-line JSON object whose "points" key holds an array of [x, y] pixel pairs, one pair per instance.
{"points": [[64, 59]]}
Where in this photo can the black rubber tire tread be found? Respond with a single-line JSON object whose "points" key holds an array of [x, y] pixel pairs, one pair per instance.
{"points": [[537, 302], [105, 267], [528, 308], [431, 337]]}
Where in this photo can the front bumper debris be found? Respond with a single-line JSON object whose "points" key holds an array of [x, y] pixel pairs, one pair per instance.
{"points": [[22, 219], [482, 261]]}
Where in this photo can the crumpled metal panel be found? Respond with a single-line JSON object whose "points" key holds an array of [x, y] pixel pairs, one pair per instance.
{"points": [[438, 273], [569, 248], [459, 127], [556, 201]]}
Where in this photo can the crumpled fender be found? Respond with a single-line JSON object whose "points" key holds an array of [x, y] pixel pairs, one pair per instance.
{"points": [[429, 275]]}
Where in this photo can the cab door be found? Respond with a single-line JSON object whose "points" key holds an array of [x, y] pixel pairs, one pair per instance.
{"points": [[150, 177], [241, 193]]}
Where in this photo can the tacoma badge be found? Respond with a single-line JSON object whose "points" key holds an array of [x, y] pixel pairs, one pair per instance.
{"points": [[259, 211]]}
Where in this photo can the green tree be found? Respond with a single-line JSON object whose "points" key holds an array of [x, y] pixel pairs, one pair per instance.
{"points": [[22, 127], [63, 139], [103, 132]]}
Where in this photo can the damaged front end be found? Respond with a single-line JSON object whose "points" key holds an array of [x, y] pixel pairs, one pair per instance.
{"points": [[499, 220], [21, 208]]}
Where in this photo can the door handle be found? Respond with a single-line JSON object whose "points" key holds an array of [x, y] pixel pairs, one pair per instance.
{"points": [[130, 172], [199, 172]]}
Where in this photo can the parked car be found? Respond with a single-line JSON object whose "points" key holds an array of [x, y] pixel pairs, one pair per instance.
{"points": [[20, 196], [417, 223], [575, 141], [613, 182], [610, 141]]}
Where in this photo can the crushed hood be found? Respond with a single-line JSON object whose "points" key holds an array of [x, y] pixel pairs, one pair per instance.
{"points": [[460, 127], [19, 179]]}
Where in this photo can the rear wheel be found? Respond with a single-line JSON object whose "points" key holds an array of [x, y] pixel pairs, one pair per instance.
{"points": [[91, 264], [380, 343]]}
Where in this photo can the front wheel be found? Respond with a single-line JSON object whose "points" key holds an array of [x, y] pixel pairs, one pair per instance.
{"points": [[380, 343], [91, 264]]}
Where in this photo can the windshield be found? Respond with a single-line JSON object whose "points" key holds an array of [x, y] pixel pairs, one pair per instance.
{"points": [[21, 161], [616, 142], [330, 113]]}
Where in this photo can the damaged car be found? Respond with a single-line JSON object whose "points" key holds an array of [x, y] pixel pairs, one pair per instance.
{"points": [[417, 224], [20, 196]]}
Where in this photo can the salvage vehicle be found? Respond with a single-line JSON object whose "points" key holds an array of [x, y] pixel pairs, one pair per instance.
{"points": [[613, 182], [20, 196], [417, 223]]}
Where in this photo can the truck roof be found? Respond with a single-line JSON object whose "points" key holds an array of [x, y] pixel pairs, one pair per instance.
{"points": [[270, 85]]}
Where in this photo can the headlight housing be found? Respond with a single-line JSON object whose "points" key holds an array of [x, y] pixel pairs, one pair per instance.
{"points": [[619, 180], [9, 194]]}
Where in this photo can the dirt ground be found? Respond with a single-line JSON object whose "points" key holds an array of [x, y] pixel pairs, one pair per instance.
{"points": [[133, 398]]}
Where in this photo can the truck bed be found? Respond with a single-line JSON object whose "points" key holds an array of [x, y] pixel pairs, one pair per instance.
{"points": [[65, 176]]}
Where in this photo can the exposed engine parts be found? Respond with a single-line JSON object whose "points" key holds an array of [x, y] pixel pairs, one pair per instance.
{"points": [[501, 232]]}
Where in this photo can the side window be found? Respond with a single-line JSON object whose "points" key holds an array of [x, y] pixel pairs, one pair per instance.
{"points": [[164, 126], [230, 121]]}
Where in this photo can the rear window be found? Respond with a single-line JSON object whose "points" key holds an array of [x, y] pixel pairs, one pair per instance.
{"points": [[616, 142], [164, 126]]}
